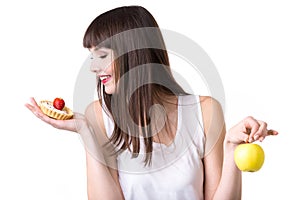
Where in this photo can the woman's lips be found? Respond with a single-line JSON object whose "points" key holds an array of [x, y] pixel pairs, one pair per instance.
{"points": [[105, 78]]}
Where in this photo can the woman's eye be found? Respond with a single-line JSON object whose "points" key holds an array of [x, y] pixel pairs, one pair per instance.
{"points": [[103, 56]]}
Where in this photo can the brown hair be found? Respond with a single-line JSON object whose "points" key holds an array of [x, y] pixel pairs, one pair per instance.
{"points": [[134, 36]]}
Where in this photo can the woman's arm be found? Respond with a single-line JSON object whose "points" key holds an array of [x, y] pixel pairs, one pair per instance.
{"points": [[102, 174], [223, 180], [214, 128], [102, 181]]}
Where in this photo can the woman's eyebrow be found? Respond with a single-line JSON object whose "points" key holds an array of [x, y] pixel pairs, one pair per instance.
{"points": [[98, 50], [94, 48], [101, 49]]}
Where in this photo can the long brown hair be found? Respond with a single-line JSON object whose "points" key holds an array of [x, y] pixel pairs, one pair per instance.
{"points": [[134, 36]]}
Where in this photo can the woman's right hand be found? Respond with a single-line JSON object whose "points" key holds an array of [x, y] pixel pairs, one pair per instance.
{"points": [[249, 130], [75, 124]]}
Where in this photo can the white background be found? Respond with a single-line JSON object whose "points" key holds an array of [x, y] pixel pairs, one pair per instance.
{"points": [[255, 46]]}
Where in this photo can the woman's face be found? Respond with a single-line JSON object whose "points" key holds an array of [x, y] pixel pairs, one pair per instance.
{"points": [[102, 63]]}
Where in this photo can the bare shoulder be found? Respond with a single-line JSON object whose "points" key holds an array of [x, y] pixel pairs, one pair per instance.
{"points": [[93, 110], [94, 116], [208, 103], [212, 114]]}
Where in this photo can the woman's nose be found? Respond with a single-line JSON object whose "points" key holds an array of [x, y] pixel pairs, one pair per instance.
{"points": [[95, 65]]}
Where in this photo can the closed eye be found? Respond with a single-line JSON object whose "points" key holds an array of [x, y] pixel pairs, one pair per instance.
{"points": [[103, 56]]}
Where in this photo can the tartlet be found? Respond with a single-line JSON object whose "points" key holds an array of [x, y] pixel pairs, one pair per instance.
{"points": [[49, 110]]}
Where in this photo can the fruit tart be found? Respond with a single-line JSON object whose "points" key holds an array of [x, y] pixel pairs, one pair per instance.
{"points": [[56, 109]]}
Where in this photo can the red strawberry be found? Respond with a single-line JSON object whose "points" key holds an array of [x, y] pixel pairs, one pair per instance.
{"points": [[59, 103]]}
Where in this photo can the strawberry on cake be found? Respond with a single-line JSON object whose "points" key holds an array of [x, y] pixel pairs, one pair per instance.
{"points": [[56, 109]]}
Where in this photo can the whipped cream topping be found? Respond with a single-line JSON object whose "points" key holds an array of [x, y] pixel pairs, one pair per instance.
{"points": [[51, 107]]}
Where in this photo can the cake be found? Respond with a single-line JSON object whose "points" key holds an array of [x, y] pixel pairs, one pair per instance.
{"points": [[48, 109]]}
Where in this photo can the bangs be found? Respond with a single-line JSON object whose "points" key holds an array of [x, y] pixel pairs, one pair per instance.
{"points": [[103, 27], [96, 35], [116, 21]]}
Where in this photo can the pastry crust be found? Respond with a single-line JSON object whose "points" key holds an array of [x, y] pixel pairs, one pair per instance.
{"points": [[49, 110]]}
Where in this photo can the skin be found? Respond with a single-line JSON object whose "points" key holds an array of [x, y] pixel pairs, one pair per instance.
{"points": [[102, 65], [222, 178]]}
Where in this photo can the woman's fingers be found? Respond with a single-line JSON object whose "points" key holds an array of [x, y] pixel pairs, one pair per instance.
{"points": [[251, 127], [35, 109], [257, 129], [249, 130], [261, 132], [272, 132], [32, 100], [238, 134]]}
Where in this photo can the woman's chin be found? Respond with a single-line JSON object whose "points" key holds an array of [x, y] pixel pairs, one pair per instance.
{"points": [[109, 90]]}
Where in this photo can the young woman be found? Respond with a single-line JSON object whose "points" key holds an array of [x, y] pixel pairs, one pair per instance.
{"points": [[146, 138]]}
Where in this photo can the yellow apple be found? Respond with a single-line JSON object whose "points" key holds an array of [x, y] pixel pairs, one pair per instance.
{"points": [[249, 157]]}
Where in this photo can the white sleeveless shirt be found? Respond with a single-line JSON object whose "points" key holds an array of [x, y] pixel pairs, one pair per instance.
{"points": [[176, 172]]}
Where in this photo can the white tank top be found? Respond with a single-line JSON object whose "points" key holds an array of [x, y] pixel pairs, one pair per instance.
{"points": [[176, 172]]}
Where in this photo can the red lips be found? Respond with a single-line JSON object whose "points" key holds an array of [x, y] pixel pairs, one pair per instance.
{"points": [[105, 78]]}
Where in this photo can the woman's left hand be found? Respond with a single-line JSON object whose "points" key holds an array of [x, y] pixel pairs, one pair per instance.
{"points": [[249, 130], [75, 124]]}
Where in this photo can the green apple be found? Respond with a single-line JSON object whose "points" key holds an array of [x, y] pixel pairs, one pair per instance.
{"points": [[249, 157]]}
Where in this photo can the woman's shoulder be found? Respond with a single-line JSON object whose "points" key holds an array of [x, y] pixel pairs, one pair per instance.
{"points": [[94, 116], [210, 107], [209, 103], [212, 113], [93, 109]]}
